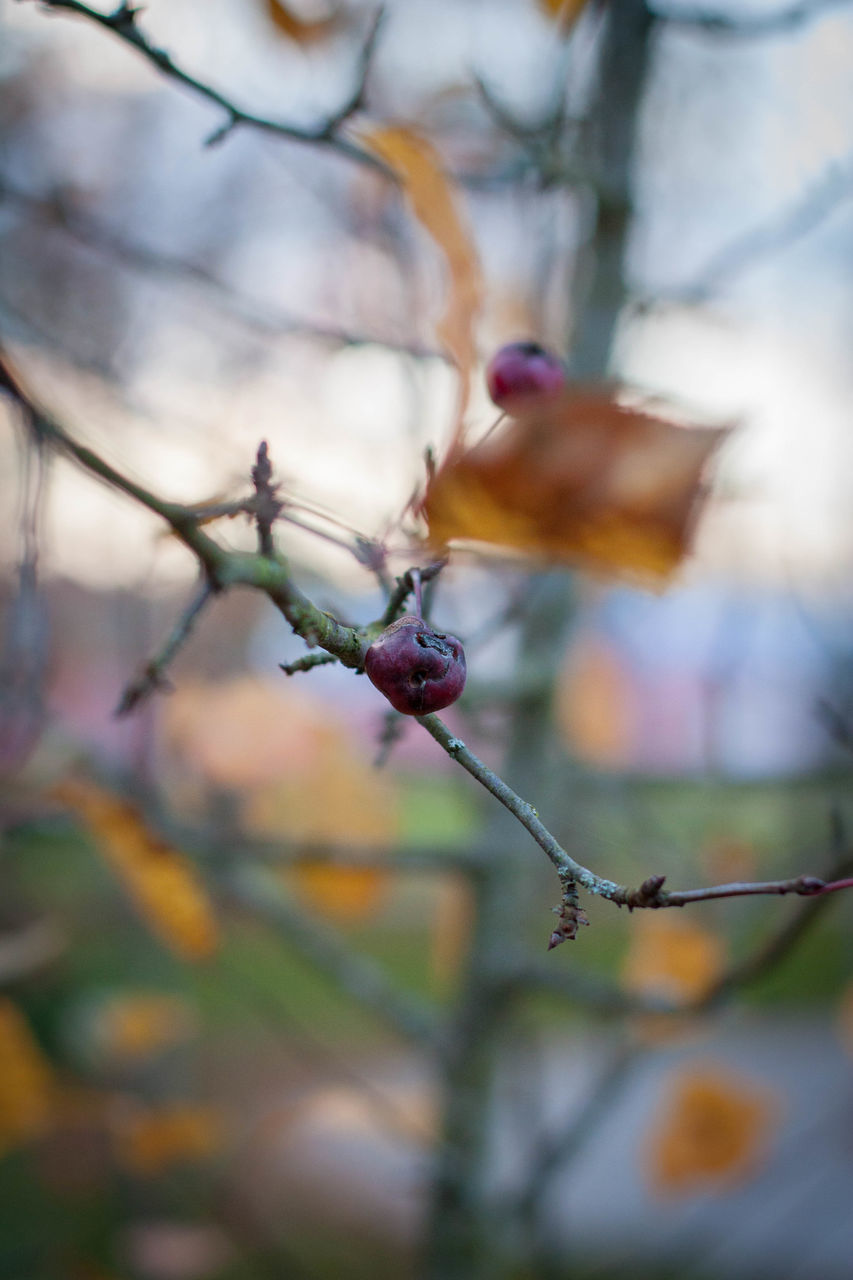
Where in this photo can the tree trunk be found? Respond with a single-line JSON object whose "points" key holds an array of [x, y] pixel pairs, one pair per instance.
{"points": [[466, 1237]]}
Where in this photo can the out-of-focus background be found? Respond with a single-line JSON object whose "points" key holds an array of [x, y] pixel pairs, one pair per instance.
{"points": [[252, 1020]]}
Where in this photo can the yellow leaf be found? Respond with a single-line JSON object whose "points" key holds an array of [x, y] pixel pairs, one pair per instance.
{"points": [[161, 881], [302, 30], [27, 1085], [712, 1131], [150, 1140], [419, 168], [578, 477], [670, 958]]}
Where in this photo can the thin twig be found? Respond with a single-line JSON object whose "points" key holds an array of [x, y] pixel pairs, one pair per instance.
{"points": [[782, 229], [651, 893], [58, 212], [361, 978], [123, 24], [748, 26], [223, 568], [308, 663], [608, 998], [563, 1143], [355, 101], [404, 587], [153, 675]]}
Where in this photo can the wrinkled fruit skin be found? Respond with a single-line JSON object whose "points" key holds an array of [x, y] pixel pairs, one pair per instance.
{"points": [[419, 670], [522, 371]]}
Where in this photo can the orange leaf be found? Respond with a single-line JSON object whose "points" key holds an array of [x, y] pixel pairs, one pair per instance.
{"points": [[564, 12], [579, 477], [418, 165], [337, 798], [672, 959], [713, 1132], [596, 705], [161, 881], [301, 30], [344, 893]]}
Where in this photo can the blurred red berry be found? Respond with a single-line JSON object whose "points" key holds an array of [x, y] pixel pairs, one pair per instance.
{"points": [[522, 370]]}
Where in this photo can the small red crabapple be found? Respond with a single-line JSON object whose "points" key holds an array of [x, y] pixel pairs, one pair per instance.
{"points": [[419, 670], [523, 370]]}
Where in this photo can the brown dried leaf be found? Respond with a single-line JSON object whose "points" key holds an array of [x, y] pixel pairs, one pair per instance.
{"points": [[580, 477], [433, 199], [301, 30]]}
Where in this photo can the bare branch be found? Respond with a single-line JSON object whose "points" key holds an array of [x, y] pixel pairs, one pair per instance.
{"points": [[361, 978], [650, 893], [355, 101], [122, 23], [153, 675], [563, 1143], [568, 869], [748, 26], [269, 574], [812, 208], [223, 568], [404, 587], [56, 210]]}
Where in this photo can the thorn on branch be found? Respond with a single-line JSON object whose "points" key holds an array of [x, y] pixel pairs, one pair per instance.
{"points": [[123, 19]]}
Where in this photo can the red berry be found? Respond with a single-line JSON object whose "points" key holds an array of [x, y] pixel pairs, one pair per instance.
{"points": [[419, 670], [522, 370]]}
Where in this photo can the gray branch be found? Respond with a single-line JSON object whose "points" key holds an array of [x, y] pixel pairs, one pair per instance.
{"points": [[357, 975]]}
